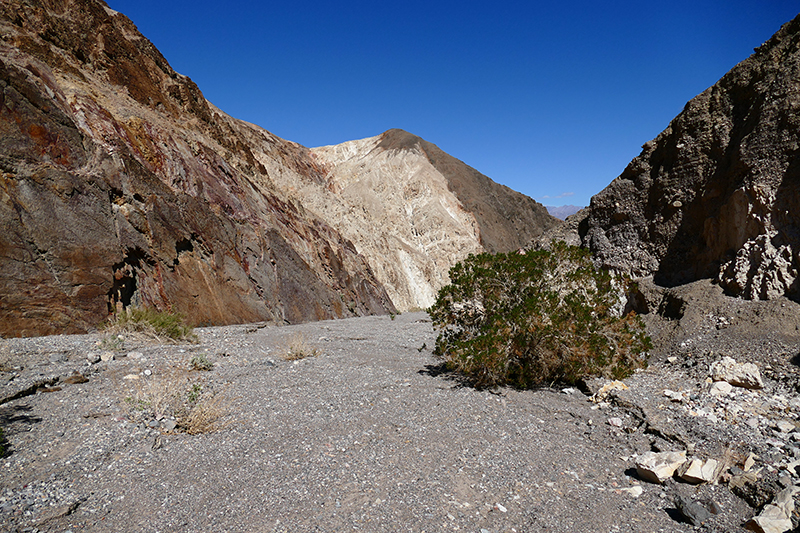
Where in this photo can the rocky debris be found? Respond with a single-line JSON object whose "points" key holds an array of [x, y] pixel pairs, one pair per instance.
{"points": [[691, 511], [777, 516], [737, 374], [658, 467], [699, 471], [717, 194]]}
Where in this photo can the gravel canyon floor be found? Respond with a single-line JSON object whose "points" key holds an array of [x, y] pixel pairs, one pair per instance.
{"points": [[368, 435]]}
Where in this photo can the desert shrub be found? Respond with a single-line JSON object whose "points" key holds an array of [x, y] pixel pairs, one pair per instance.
{"points": [[535, 318], [297, 348], [201, 362], [159, 325]]}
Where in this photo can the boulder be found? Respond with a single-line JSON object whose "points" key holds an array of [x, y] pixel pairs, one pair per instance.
{"points": [[698, 471], [658, 467], [744, 375], [777, 516]]}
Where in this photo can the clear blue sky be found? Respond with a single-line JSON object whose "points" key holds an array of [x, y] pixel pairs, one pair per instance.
{"points": [[552, 99]]}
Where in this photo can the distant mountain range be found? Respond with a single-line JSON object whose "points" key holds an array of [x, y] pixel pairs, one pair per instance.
{"points": [[563, 211]]}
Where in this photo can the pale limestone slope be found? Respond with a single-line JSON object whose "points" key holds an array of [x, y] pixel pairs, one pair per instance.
{"points": [[397, 210]]}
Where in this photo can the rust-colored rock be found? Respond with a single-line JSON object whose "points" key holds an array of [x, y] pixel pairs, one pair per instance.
{"points": [[121, 185]]}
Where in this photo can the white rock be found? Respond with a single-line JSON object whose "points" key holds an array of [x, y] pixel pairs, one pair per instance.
{"points": [[749, 462], [720, 388], [606, 389], [615, 421], [785, 426], [634, 491], [107, 356], [698, 471], [136, 355], [673, 395], [658, 467], [777, 516], [738, 374]]}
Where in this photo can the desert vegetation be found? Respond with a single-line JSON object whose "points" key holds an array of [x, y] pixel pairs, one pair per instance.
{"points": [[161, 326], [298, 348], [193, 405], [536, 318]]}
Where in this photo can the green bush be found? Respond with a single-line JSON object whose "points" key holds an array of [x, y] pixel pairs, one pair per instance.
{"points": [[162, 325], [536, 318], [201, 362]]}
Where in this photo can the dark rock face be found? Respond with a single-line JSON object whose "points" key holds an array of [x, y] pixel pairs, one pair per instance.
{"points": [[121, 185], [716, 195]]}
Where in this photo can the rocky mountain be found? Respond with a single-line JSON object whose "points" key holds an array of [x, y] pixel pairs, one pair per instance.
{"points": [[716, 195], [122, 185], [563, 211], [410, 208]]}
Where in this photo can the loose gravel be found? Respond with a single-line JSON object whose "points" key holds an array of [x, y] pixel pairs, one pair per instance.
{"points": [[369, 435]]}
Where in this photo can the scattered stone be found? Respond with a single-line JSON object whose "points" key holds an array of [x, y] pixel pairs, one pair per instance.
{"points": [[698, 471], [606, 389], [777, 516], [634, 491], [93, 358], [785, 426], [153, 424], [615, 421], [658, 467], [107, 356], [168, 424], [693, 512], [744, 375], [720, 388], [500, 508], [674, 396], [58, 358], [130, 377], [136, 355]]}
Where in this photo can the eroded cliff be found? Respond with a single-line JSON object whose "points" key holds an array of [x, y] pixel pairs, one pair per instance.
{"points": [[716, 194]]}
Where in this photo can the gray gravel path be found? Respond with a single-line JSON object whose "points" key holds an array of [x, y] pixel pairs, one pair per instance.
{"points": [[366, 436]]}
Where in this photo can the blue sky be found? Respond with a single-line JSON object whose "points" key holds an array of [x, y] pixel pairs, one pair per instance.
{"points": [[552, 99]]}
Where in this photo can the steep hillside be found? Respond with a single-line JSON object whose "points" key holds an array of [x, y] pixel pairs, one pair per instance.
{"points": [[412, 209], [717, 194], [122, 185]]}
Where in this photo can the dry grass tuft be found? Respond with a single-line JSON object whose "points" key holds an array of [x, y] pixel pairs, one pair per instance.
{"points": [[297, 348], [208, 414], [192, 403]]}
